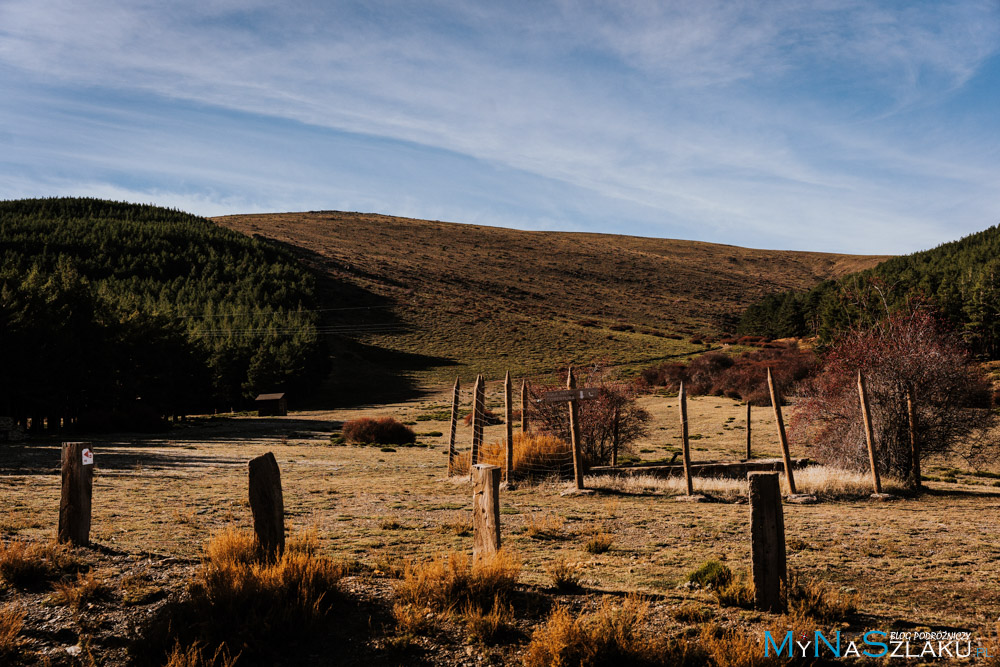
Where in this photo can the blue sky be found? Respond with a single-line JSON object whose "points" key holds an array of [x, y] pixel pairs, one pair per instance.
{"points": [[835, 125]]}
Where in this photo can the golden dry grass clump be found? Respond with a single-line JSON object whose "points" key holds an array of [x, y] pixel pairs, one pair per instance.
{"points": [[535, 455], [11, 624], [24, 564], [455, 582]]}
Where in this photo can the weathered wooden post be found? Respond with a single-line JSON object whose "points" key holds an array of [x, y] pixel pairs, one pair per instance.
{"points": [[524, 406], [911, 411], [574, 431], [615, 439], [869, 432], [749, 454], [776, 402], [685, 445], [508, 406], [767, 541], [478, 414], [454, 426], [267, 505], [77, 493], [485, 510]]}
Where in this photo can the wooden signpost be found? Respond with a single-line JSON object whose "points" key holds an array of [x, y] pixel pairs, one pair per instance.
{"points": [[573, 394], [77, 490], [267, 505], [869, 432], [776, 402]]}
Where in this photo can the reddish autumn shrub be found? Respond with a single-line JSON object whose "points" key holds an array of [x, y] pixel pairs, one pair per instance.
{"points": [[597, 416], [490, 418], [950, 390], [382, 431]]}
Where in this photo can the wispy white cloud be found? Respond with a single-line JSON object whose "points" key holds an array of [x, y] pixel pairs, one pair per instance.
{"points": [[710, 117]]}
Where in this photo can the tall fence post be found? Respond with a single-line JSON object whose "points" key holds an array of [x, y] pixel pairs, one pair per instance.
{"points": [[454, 426], [524, 406], [267, 505], [478, 415], [776, 402], [574, 431], [508, 406], [749, 453], [911, 411], [485, 510], [767, 541], [685, 444], [615, 438], [869, 431], [77, 493]]}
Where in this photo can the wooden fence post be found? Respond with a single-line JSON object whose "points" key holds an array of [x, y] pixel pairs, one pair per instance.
{"points": [[776, 402], [454, 426], [524, 406], [685, 445], [77, 493], [574, 431], [508, 406], [485, 510], [267, 505], [615, 438], [869, 432], [749, 454], [478, 415], [767, 541], [911, 411]]}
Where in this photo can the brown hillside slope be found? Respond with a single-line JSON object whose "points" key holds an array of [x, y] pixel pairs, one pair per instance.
{"points": [[490, 298]]}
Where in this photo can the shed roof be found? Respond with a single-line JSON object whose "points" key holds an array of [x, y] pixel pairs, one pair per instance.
{"points": [[270, 397]]}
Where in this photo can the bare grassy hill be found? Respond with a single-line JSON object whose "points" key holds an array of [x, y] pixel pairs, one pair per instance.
{"points": [[458, 299]]}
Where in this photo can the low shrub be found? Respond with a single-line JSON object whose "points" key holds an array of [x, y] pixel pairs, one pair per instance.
{"points": [[77, 594], [454, 582], [599, 543], [11, 624], [490, 418], [25, 564], [814, 599], [381, 431], [711, 574], [565, 576]]}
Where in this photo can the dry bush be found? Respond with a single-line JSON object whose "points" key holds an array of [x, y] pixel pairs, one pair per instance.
{"points": [[245, 604], [737, 592], [197, 656], [26, 564], [711, 575], [599, 543], [381, 431], [565, 576], [454, 582], [486, 627], [734, 648], [544, 528], [610, 636], [490, 418], [411, 620], [950, 391], [11, 624], [813, 599], [535, 455], [77, 594]]}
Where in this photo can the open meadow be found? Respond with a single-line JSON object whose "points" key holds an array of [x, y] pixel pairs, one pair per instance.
{"points": [[912, 563]]}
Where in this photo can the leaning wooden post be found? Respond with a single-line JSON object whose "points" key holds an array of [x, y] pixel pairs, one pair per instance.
{"points": [[77, 493], [267, 505], [574, 432], [869, 432], [685, 445], [524, 407], [508, 406], [478, 415], [485, 510], [454, 426], [767, 541], [615, 439], [911, 411], [749, 454], [776, 402]]}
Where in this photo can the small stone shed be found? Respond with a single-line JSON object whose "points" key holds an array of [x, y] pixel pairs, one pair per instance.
{"points": [[271, 405]]}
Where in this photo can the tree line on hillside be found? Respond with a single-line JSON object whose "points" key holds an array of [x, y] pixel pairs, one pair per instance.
{"points": [[114, 312], [960, 279]]}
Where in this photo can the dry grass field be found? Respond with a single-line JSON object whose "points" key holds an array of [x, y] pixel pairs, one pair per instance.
{"points": [[445, 298], [924, 562]]}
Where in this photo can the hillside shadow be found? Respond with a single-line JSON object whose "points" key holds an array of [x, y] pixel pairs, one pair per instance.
{"points": [[361, 373]]}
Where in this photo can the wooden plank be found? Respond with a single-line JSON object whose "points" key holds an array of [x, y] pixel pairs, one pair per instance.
{"points": [[77, 493], [508, 407], [454, 427], [574, 431], [767, 541], [776, 402], [563, 395], [869, 431], [485, 510], [749, 453], [524, 406], [911, 412], [685, 444], [267, 505], [478, 414]]}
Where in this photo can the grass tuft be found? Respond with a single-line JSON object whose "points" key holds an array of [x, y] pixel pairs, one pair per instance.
{"points": [[11, 624], [25, 564], [565, 576], [453, 582], [711, 574], [196, 656], [599, 543]]}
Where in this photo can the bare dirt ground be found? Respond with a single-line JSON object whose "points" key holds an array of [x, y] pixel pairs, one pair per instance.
{"points": [[923, 562]]}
